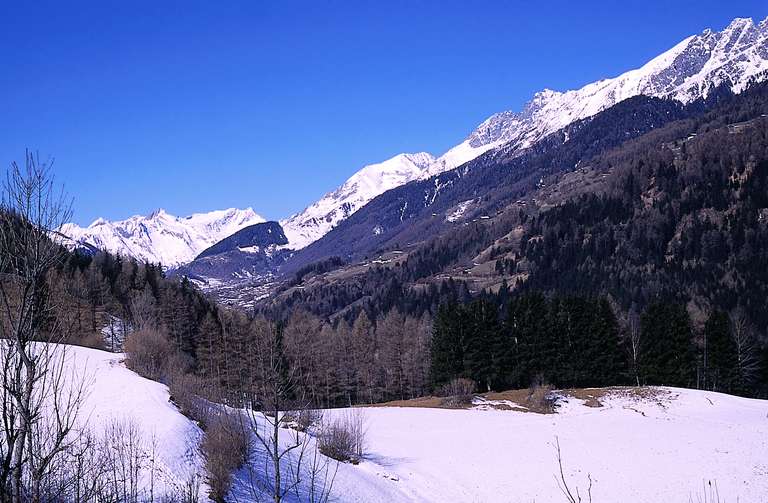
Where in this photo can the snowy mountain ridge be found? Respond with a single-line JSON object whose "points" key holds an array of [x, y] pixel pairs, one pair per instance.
{"points": [[162, 237], [322, 216], [687, 71]]}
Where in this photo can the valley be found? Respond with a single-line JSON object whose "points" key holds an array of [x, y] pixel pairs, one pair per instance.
{"points": [[568, 305]]}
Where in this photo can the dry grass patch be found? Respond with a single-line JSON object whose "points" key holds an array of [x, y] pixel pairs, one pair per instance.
{"points": [[540, 399], [594, 397]]}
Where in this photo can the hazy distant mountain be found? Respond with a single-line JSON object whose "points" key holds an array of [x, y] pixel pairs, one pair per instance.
{"points": [[162, 237]]}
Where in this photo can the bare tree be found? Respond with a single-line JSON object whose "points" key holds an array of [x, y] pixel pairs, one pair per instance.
{"points": [[747, 364], [571, 495], [633, 321], [276, 402], [38, 408]]}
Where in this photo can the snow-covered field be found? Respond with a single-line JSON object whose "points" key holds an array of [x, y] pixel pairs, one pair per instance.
{"points": [[634, 450]]}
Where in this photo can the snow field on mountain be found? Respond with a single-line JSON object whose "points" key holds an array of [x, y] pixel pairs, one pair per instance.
{"points": [[162, 237], [685, 72]]}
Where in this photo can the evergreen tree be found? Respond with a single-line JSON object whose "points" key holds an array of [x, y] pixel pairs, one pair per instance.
{"points": [[667, 349], [482, 343], [446, 350], [720, 356], [530, 337]]}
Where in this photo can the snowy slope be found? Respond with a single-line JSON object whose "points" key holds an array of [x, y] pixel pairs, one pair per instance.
{"points": [[162, 237], [634, 451], [116, 395], [319, 218], [687, 71]]}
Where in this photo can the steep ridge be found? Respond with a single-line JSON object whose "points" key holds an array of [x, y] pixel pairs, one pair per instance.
{"points": [[254, 252], [686, 72], [319, 218], [254, 236], [690, 70]]}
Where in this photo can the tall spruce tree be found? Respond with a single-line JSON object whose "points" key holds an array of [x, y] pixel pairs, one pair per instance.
{"points": [[446, 350], [720, 356], [530, 334], [668, 356], [482, 343]]}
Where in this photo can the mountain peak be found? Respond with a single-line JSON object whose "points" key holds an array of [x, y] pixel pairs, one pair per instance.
{"points": [[157, 213], [739, 23], [162, 237]]}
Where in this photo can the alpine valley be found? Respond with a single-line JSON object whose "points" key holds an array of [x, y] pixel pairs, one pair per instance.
{"points": [[689, 71], [583, 280]]}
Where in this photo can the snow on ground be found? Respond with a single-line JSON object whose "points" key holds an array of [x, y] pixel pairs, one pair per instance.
{"points": [[634, 450], [116, 394], [661, 448]]}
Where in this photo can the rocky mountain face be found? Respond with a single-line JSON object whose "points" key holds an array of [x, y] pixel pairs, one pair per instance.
{"points": [[320, 217], [161, 237]]}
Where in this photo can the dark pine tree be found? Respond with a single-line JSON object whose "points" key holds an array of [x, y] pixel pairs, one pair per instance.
{"points": [[668, 356], [720, 353], [446, 350]]}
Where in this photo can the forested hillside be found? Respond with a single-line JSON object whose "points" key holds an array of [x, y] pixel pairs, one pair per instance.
{"points": [[648, 202]]}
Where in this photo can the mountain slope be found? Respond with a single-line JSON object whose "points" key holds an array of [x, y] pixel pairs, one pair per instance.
{"points": [[672, 228], [689, 70], [317, 219], [254, 252], [258, 235], [161, 237]]}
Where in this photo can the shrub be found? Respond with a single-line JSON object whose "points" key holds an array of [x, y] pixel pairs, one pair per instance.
{"points": [[225, 447], [302, 420], [541, 398], [458, 392], [147, 353], [343, 438], [185, 390]]}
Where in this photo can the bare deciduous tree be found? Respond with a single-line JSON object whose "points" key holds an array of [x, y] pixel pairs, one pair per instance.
{"points": [[292, 465], [38, 408], [747, 364]]}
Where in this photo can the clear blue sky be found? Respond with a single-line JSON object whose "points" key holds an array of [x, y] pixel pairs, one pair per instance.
{"points": [[194, 106]]}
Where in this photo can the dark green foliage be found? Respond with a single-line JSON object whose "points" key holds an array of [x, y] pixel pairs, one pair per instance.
{"points": [[484, 342], [446, 348], [569, 341], [720, 353], [667, 354]]}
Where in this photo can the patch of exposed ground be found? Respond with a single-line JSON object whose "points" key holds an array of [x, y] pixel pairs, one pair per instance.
{"points": [[540, 400], [595, 397]]}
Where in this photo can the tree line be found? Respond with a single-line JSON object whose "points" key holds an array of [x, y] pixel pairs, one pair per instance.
{"points": [[578, 341]]}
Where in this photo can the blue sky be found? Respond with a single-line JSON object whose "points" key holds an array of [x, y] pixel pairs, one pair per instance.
{"points": [[194, 106]]}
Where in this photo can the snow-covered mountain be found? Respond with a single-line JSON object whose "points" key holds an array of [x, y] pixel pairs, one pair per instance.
{"points": [[319, 218], [162, 237], [686, 72]]}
